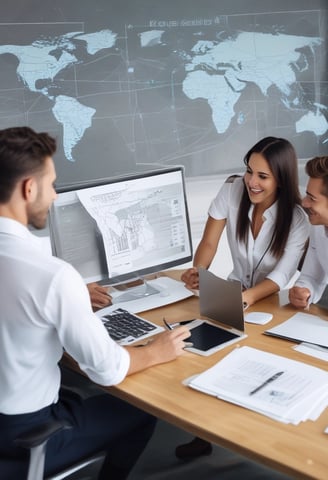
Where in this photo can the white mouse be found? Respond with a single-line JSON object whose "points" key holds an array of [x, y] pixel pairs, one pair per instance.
{"points": [[260, 318]]}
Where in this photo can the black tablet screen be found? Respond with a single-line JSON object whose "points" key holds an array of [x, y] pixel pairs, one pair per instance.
{"points": [[206, 336]]}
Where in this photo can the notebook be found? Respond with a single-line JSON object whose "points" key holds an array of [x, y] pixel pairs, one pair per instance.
{"points": [[127, 328], [220, 301], [302, 327]]}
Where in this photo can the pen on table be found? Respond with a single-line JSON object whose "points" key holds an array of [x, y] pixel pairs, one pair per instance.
{"points": [[269, 380]]}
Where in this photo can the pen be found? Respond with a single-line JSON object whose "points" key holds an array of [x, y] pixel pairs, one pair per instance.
{"points": [[183, 322], [269, 380], [168, 326]]}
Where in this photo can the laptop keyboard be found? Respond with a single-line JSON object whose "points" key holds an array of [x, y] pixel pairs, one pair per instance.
{"points": [[121, 324]]}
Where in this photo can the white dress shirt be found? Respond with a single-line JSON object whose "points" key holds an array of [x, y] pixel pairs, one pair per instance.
{"points": [[314, 274], [45, 307], [253, 262]]}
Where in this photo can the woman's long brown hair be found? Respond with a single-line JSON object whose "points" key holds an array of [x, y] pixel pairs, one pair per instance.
{"points": [[282, 160]]}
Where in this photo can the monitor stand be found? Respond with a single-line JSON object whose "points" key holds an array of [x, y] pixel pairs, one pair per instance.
{"points": [[132, 290]]}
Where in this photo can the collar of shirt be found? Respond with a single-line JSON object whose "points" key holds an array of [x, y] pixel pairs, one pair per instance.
{"points": [[10, 226], [268, 214]]}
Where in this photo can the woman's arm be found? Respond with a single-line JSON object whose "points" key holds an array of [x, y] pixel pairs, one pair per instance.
{"points": [[206, 250], [208, 245], [261, 290]]}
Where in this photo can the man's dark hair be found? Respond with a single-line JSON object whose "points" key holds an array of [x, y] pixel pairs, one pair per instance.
{"points": [[22, 153], [317, 167]]}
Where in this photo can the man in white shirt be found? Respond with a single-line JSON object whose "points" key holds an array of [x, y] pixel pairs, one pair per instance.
{"points": [[314, 274], [45, 308]]}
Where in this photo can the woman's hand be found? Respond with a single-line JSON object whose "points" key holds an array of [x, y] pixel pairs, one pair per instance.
{"points": [[191, 278]]}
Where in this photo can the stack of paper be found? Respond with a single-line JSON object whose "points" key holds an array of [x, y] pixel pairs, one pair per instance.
{"points": [[275, 386]]}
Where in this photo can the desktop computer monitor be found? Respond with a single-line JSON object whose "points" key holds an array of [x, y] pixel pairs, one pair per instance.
{"points": [[117, 230]]}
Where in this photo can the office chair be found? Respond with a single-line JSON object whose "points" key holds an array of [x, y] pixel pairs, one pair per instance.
{"points": [[36, 441]]}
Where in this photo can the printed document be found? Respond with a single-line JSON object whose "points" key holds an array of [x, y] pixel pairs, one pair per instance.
{"points": [[275, 386]]}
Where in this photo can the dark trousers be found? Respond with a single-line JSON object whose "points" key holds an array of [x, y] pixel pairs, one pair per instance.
{"points": [[100, 422]]}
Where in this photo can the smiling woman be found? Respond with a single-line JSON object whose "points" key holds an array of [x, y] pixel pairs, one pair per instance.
{"points": [[266, 230], [265, 224]]}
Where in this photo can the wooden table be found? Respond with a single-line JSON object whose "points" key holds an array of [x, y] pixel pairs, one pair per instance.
{"points": [[300, 451]]}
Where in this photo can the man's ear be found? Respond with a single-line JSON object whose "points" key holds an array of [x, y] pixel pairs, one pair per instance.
{"points": [[29, 189]]}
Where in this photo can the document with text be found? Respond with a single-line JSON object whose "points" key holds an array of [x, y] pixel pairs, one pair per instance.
{"points": [[275, 386]]}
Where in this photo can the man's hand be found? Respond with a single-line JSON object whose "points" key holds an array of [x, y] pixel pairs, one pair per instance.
{"points": [[191, 278], [165, 347], [299, 297], [170, 344], [99, 295]]}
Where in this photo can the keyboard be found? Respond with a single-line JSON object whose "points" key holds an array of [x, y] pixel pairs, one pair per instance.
{"points": [[125, 327]]}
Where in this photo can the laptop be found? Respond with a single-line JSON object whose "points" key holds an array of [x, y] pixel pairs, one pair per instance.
{"points": [[220, 302]]}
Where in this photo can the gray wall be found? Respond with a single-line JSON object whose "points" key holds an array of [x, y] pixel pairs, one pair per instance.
{"points": [[165, 82]]}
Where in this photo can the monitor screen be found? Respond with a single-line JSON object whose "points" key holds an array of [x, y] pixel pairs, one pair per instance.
{"points": [[120, 229]]}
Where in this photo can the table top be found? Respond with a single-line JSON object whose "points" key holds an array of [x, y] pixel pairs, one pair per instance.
{"points": [[300, 451]]}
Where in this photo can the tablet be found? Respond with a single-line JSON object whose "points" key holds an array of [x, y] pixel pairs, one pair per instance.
{"points": [[207, 338]]}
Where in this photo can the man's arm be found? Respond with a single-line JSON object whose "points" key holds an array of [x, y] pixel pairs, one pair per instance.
{"points": [[165, 347], [313, 279]]}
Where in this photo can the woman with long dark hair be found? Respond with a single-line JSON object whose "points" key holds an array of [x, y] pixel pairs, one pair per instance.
{"points": [[267, 231], [266, 226]]}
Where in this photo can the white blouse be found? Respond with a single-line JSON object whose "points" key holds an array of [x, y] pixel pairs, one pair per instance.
{"points": [[253, 262]]}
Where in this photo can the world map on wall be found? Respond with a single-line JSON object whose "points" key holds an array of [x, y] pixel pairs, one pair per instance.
{"points": [[39, 65], [169, 91]]}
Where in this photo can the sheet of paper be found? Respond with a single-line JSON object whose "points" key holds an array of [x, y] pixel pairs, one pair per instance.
{"points": [[313, 350], [169, 291], [303, 327], [283, 389]]}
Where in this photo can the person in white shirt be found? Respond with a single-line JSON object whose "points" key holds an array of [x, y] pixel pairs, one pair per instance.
{"points": [[266, 226], [267, 231], [46, 309], [311, 283]]}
